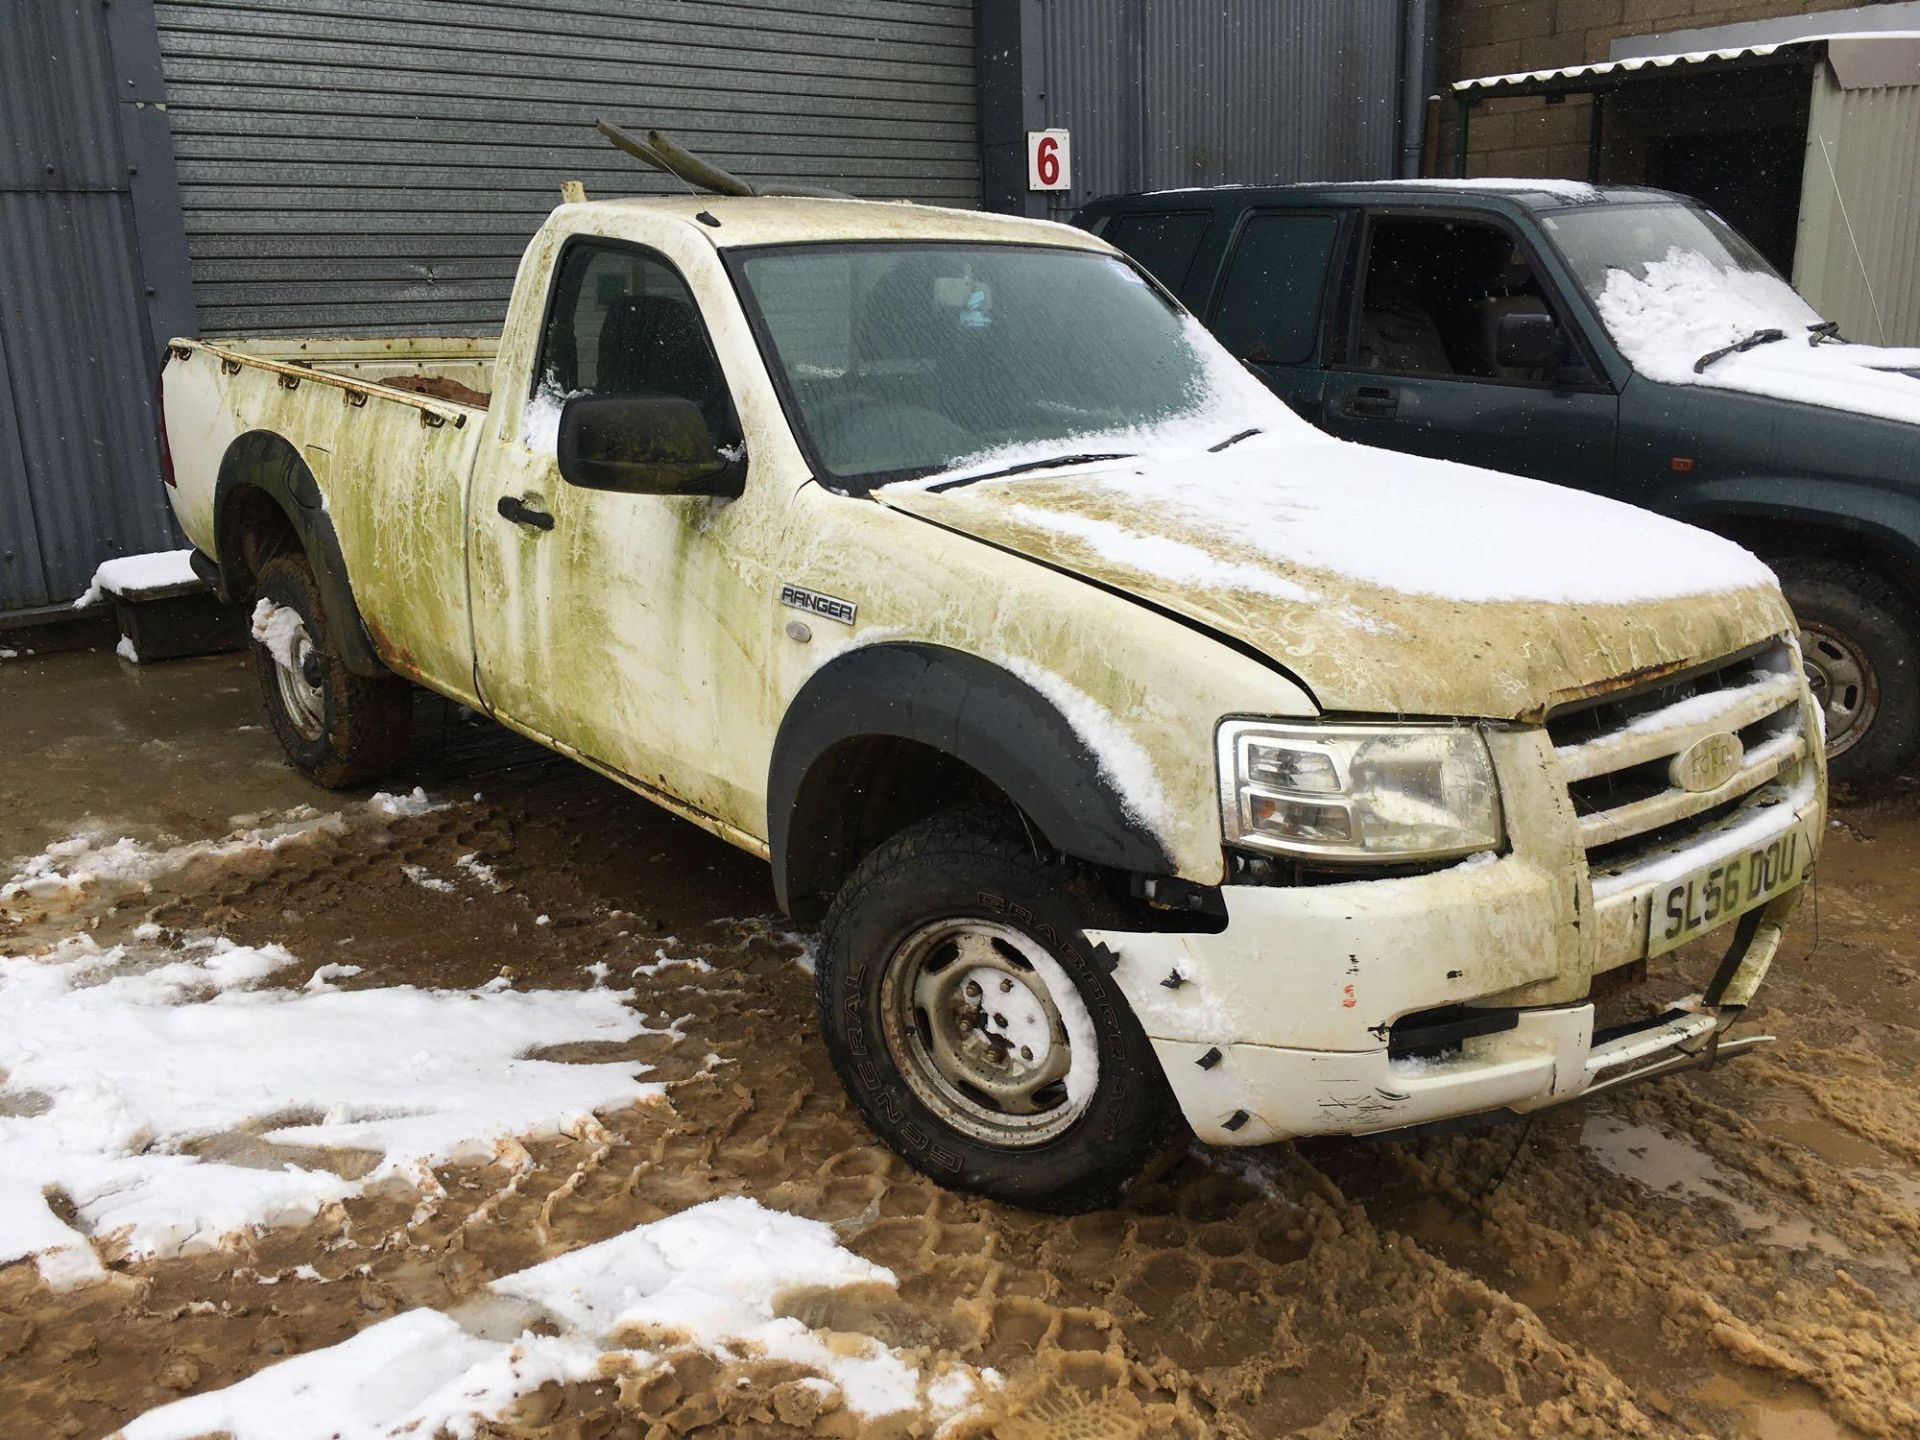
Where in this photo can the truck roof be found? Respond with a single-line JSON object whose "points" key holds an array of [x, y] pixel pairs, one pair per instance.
{"points": [[782, 220], [1535, 194]]}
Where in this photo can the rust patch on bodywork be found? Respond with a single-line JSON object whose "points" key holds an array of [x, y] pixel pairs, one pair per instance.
{"points": [[1618, 684]]}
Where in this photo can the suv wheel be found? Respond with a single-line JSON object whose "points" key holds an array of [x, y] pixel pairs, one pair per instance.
{"points": [[971, 1022], [338, 728], [1863, 663]]}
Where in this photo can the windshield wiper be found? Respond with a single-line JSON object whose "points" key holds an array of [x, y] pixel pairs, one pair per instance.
{"points": [[1233, 440], [1759, 337], [1047, 464], [1825, 330]]}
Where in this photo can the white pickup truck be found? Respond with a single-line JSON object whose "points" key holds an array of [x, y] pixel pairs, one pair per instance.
{"points": [[1150, 760]]}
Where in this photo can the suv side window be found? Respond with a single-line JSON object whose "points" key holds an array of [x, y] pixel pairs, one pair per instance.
{"points": [[1432, 296], [1164, 244], [1268, 311], [621, 321]]}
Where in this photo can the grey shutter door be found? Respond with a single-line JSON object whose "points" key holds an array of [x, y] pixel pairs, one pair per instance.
{"points": [[348, 167]]}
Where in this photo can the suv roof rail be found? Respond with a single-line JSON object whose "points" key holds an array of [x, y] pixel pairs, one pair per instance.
{"points": [[688, 168]]}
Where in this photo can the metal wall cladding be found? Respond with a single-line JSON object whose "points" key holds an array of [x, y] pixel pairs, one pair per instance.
{"points": [[79, 471], [349, 168], [1161, 94], [1858, 259]]}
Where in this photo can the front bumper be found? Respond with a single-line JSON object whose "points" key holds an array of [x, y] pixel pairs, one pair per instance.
{"points": [[1278, 1025]]}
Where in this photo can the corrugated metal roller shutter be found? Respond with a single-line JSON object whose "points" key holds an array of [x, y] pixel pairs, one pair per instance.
{"points": [[379, 167]]}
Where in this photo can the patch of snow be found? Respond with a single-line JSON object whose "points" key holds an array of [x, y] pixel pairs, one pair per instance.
{"points": [[540, 421], [1171, 560], [1576, 190], [6, 654], [126, 651], [711, 1276], [277, 627], [142, 1051], [479, 871], [324, 976], [89, 860], [427, 880], [1686, 306], [132, 576], [1121, 758]]}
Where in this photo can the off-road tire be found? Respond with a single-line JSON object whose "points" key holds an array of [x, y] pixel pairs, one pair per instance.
{"points": [[970, 865], [1836, 600], [364, 721]]}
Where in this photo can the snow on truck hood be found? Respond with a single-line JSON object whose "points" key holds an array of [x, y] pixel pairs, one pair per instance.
{"points": [[1387, 583]]}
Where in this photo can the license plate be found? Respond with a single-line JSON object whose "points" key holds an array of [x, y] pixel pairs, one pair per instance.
{"points": [[1689, 907]]}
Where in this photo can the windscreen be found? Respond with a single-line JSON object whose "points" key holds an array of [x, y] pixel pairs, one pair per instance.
{"points": [[902, 361], [1636, 242]]}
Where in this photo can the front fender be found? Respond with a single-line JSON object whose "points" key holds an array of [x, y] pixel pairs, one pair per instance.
{"points": [[965, 707]]}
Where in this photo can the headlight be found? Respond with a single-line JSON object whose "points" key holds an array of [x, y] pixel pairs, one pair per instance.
{"points": [[1358, 792]]}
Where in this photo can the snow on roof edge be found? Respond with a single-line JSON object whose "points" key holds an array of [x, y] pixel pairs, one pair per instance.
{"points": [[1635, 62]]}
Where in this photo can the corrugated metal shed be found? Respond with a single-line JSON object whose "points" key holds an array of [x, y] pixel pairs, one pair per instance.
{"points": [[1859, 249], [79, 476], [350, 167], [1163, 93]]}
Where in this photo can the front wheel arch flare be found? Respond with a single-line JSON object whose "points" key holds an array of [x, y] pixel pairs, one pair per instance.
{"points": [[964, 707]]}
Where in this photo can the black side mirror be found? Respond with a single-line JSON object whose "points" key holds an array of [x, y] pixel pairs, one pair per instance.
{"points": [[644, 445], [1529, 341]]}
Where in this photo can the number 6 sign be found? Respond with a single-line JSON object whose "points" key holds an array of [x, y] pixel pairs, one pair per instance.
{"points": [[1049, 160]]}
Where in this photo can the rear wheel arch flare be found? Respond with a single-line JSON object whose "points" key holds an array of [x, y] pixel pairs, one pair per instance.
{"points": [[265, 482], [965, 713]]}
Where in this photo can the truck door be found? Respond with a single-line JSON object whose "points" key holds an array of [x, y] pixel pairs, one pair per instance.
{"points": [[1271, 298], [1421, 365], [601, 619]]}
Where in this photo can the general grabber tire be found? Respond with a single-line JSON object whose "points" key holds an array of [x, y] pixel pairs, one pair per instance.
{"points": [[973, 1024], [339, 728], [1857, 638]]}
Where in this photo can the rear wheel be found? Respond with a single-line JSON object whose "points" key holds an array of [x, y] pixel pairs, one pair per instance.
{"points": [[973, 1025], [339, 728], [1857, 641]]}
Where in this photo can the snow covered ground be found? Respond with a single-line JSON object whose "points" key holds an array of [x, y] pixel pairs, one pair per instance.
{"points": [[710, 1277]]}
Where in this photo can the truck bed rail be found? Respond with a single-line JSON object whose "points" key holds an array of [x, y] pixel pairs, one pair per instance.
{"points": [[354, 392]]}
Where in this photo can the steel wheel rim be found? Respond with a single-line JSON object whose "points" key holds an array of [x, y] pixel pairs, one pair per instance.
{"points": [[971, 1018], [301, 685], [1844, 683]]}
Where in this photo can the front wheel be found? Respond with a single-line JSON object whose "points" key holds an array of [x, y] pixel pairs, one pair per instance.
{"points": [[339, 728], [971, 1022], [1858, 645]]}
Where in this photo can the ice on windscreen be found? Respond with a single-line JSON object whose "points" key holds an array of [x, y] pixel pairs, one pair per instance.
{"points": [[1686, 306]]}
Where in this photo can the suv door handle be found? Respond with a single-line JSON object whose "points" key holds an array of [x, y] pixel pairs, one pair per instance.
{"points": [[1372, 402], [522, 513]]}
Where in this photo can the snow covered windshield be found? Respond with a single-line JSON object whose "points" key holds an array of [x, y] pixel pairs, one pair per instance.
{"points": [[1604, 238], [909, 360]]}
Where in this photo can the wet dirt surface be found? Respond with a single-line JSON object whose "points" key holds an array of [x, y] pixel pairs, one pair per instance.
{"points": [[1729, 1253]]}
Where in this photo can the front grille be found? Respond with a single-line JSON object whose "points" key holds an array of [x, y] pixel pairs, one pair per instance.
{"points": [[1616, 751]]}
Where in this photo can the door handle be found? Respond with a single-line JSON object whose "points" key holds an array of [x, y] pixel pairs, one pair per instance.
{"points": [[1370, 402], [521, 513]]}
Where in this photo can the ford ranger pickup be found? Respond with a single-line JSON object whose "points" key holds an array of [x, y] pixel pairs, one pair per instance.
{"points": [[1151, 762]]}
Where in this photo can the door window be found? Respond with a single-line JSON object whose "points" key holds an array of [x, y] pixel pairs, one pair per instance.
{"points": [[1433, 295], [1164, 244], [1269, 307], [622, 322]]}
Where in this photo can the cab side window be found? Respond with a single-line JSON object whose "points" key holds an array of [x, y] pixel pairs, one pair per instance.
{"points": [[1163, 244], [1269, 307], [1433, 296], [622, 322]]}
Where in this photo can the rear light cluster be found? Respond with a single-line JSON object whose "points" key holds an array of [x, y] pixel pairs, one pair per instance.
{"points": [[160, 425]]}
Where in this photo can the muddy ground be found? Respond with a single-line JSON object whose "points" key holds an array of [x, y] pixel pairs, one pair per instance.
{"points": [[1729, 1253]]}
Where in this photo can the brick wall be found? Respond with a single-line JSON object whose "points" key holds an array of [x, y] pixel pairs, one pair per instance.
{"points": [[1497, 37]]}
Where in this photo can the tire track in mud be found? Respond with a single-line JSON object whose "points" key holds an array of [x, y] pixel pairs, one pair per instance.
{"points": [[1499, 1283]]}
